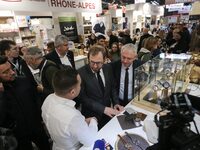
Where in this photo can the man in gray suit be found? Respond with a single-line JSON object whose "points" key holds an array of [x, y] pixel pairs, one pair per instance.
{"points": [[98, 92]]}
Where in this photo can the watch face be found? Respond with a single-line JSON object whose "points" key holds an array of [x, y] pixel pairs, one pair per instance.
{"points": [[155, 87], [166, 84]]}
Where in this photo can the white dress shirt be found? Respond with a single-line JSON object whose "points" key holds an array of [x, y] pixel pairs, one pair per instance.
{"points": [[66, 125], [64, 59], [130, 82]]}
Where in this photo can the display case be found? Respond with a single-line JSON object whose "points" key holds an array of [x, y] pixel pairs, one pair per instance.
{"points": [[156, 79]]}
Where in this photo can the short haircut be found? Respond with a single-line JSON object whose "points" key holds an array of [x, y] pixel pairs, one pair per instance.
{"points": [[5, 45], [60, 40], [99, 37], [35, 52], [3, 59], [94, 50], [64, 80], [129, 47], [51, 45]]}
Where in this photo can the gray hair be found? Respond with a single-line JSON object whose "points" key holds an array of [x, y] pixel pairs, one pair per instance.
{"points": [[34, 52], [60, 39], [129, 47]]}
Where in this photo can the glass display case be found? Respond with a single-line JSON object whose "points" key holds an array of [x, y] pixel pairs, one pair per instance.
{"points": [[156, 79]]}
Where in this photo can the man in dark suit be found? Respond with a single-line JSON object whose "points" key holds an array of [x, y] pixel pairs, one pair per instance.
{"points": [[46, 68], [98, 92], [127, 64], [61, 54], [21, 109]]}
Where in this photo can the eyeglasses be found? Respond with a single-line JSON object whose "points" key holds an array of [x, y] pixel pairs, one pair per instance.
{"points": [[97, 63]]}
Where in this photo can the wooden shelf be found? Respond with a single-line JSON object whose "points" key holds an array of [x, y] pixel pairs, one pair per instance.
{"points": [[30, 36]]}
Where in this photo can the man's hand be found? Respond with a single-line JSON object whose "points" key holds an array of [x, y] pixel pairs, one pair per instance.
{"points": [[118, 107], [40, 88], [111, 112], [89, 119]]}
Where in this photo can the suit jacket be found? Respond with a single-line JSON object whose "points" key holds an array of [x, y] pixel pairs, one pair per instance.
{"points": [[49, 69], [116, 67], [53, 56], [93, 99]]}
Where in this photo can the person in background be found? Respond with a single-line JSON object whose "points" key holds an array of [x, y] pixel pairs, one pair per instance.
{"points": [[98, 93], [50, 47], [114, 52], [91, 40], [68, 128], [144, 36], [47, 69], [61, 54], [22, 109], [22, 51], [125, 66], [180, 46], [126, 37], [195, 40], [101, 41], [112, 38], [146, 52]]}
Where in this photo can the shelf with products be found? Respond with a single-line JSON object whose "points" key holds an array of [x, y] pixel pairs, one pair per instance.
{"points": [[27, 34], [8, 28]]}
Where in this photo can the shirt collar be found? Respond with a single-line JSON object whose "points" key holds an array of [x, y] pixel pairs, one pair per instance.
{"points": [[66, 101], [124, 68], [60, 55]]}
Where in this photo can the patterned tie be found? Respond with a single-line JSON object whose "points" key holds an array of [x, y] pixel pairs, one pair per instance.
{"points": [[100, 81], [126, 86]]}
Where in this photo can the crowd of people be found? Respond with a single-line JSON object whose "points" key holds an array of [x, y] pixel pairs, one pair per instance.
{"points": [[65, 106]]}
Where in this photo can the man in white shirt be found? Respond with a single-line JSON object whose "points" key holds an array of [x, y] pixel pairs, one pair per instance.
{"points": [[67, 127]]}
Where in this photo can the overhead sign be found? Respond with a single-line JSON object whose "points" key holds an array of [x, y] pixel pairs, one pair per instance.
{"points": [[167, 2], [94, 6]]}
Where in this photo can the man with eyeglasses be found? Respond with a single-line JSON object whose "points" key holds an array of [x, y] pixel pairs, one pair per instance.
{"points": [[98, 92], [123, 71], [61, 54]]}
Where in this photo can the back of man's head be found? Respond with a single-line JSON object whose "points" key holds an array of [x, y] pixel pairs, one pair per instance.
{"points": [[5, 45], [64, 80]]}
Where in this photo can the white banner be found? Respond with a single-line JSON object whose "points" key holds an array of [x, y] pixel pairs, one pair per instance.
{"points": [[93, 6]]}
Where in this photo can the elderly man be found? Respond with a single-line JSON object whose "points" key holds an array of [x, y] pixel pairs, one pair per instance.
{"points": [[23, 113], [46, 68], [98, 93], [61, 55], [123, 71]]}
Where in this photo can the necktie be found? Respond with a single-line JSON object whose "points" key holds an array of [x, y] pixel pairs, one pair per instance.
{"points": [[126, 86], [100, 81]]}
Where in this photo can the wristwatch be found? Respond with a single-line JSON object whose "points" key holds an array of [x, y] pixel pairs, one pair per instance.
{"points": [[166, 85]]}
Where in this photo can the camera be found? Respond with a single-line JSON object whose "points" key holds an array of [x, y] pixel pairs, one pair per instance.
{"points": [[174, 126]]}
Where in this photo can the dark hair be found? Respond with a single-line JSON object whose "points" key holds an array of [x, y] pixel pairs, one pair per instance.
{"points": [[5, 45], [99, 37], [3, 59], [64, 80], [94, 50], [51, 45]]}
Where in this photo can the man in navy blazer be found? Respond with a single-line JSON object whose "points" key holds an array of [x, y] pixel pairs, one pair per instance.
{"points": [[128, 61], [61, 54], [98, 96]]}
